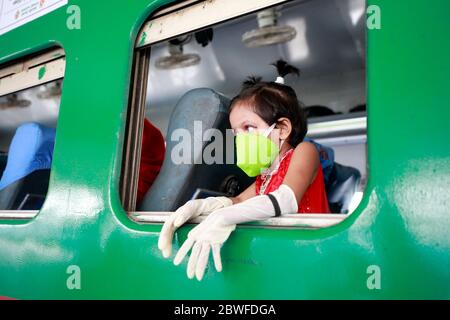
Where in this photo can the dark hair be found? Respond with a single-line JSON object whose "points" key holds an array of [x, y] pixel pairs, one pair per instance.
{"points": [[272, 101], [317, 111]]}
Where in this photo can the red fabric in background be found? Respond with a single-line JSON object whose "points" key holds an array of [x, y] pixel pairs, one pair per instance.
{"points": [[152, 156]]}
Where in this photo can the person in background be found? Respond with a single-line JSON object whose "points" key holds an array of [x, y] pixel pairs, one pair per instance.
{"points": [[326, 157], [152, 156], [31, 149]]}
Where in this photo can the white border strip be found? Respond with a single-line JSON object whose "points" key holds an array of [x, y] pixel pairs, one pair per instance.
{"points": [[32, 77], [18, 215], [26, 64], [197, 16], [336, 126], [342, 141]]}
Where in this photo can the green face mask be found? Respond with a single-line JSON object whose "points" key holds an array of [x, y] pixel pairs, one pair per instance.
{"points": [[255, 152]]}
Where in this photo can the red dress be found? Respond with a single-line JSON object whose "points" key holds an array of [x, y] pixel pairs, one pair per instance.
{"points": [[315, 198]]}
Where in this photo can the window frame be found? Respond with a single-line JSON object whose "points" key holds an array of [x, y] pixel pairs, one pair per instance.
{"points": [[150, 35], [23, 74]]}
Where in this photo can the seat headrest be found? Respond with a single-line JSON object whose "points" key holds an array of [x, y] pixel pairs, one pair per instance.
{"points": [[200, 104], [31, 149], [197, 110]]}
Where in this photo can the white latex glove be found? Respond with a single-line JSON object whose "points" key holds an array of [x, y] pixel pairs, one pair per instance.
{"points": [[217, 227], [190, 210]]}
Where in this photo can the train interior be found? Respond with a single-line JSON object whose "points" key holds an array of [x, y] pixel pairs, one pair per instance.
{"points": [[27, 132], [324, 39], [328, 47]]}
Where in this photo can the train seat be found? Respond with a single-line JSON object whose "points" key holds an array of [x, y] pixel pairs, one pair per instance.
{"points": [[178, 183], [24, 182], [341, 187]]}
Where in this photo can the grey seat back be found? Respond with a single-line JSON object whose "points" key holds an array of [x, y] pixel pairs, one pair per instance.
{"points": [[196, 112]]}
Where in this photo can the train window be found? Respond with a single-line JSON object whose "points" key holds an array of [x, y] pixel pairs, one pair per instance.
{"points": [[30, 93], [190, 61]]}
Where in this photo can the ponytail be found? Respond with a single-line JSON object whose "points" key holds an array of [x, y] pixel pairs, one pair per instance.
{"points": [[250, 82], [283, 68]]}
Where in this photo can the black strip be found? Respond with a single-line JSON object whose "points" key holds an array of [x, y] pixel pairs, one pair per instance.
{"points": [[276, 206], [234, 309]]}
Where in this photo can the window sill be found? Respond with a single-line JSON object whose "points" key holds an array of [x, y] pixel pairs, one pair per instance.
{"points": [[18, 215], [307, 221]]}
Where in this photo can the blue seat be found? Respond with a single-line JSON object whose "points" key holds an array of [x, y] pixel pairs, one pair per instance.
{"points": [[342, 185], [178, 183], [326, 157], [27, 171]]}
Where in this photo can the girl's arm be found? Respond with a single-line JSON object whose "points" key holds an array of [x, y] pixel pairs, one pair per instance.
{"points": [[248, 193], [211, 233], [302, 169]]}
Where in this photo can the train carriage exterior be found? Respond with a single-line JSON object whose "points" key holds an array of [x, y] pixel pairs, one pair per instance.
{"points": [[399, 232]]}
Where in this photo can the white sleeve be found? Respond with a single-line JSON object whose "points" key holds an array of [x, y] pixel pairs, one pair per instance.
{"points": [[260, 207]]}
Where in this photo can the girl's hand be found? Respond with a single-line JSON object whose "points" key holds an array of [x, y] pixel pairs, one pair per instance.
{"points": [[216, 228], [208, 236], [190, 210]]}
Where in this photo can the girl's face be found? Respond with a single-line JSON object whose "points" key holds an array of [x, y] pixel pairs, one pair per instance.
{"points": [[243, 119]]}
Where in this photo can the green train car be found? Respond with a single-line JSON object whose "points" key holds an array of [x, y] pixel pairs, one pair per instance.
{"points": [[95, 69]]}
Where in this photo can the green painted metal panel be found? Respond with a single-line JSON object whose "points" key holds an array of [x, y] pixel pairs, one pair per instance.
{"points": [[402, 224]]}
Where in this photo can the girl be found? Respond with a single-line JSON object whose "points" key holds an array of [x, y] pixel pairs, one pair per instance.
{"points": [[270, 127]]}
